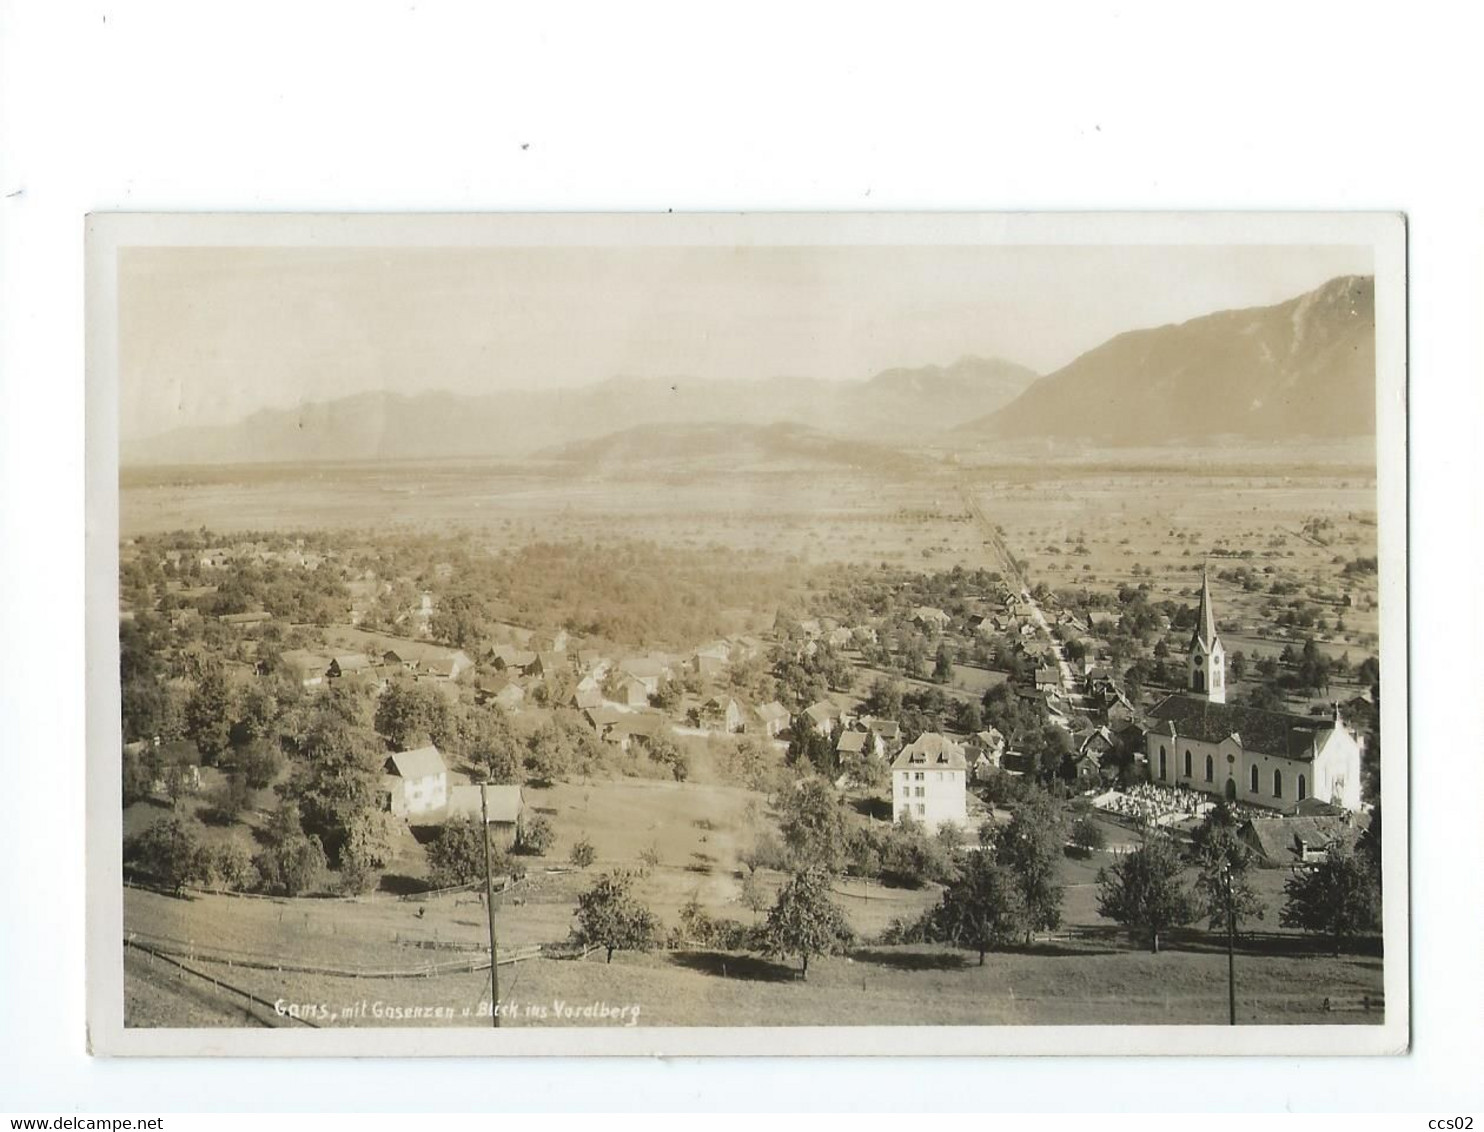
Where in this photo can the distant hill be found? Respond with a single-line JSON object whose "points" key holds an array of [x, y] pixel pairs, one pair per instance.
{"points": [[896, 406], [1302, 368], [696, 448]]}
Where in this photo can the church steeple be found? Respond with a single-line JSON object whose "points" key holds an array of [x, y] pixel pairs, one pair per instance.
{"points": [[1207, 655]]}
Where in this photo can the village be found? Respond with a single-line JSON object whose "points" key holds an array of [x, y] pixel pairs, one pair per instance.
{"points": [[322, 715]]}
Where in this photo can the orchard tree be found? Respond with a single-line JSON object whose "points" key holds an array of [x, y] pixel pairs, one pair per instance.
{"points": [[337, 782], [1223, 887], [487, 740], [813, 824], [804, 921], [409, 715], [1142, 890], [583, 854], [1031, 848], [609, 916], [208, 715], [1336, 898], [171, 851], [293, 862], [456, 856], [982, 909]]}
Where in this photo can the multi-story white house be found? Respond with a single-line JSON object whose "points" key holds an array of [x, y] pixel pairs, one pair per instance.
{"points": [[416, 781], [1261, 758], [929, 782]]}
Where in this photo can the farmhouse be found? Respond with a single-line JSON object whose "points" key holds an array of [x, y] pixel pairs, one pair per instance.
{"points": [[1262, 758], [928, 782], [632, 692], [348, 664], [306, 667], [712, 658], [929, 618], [1047, 679], [505, 806], [726, 711], [646, 670], [860, 743], [1298, 840], [416, 782], [773, 717], [822, 717], [245, 620]]}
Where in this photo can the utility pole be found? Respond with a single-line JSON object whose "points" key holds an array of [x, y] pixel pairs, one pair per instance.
{"points": [[1231, 944], [489, 907]]}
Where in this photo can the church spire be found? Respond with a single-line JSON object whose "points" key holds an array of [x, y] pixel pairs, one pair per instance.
{"points": [[1207, 655], [1205, 616]]}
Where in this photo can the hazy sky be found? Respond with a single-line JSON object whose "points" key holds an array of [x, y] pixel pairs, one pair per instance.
{"points": [[210, 335]]}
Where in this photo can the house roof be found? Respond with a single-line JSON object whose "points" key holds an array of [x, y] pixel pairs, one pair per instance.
{"points": [[1264, 732], [822, 711], [852, 743], [503, 802], [1281, 840], [772, 711], [642, 667], [419, 763], [352, 661], [587, 697], [931, 750], [1047, 676]]}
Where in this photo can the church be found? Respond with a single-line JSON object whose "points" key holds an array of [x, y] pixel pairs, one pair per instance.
{"points": [[1197, 740]]}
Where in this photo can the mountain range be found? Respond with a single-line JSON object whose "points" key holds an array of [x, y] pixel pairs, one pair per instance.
{"points": [[1298, 369], [895, 406], [1301, 368]]}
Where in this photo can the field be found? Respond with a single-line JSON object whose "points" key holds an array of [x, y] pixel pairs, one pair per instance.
{"points": [[1095, 522]]}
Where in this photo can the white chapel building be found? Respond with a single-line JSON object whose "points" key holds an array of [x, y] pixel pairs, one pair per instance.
{"points": [[1273, 759]]}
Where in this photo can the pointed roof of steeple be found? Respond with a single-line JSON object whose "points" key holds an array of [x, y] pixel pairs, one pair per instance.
{"points": [[1205, 616]]}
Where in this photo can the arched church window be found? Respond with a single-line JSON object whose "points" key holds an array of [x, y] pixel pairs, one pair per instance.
{"points": [[1187, 762], [1303, 788], [1210, 769], [1254, 780], [1163, 771], [1277, 784]]}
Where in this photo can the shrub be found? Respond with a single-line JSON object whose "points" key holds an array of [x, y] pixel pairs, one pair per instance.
{"points": [[536, 836]]}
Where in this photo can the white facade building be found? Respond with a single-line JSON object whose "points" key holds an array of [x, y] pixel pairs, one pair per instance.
{"points": [[929, 782]]}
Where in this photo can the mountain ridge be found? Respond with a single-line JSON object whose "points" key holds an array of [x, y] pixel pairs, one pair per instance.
{"points": [[1304, 367]]}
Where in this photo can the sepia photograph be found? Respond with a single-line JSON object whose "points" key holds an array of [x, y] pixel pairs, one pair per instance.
{"points": [[747, 633]]}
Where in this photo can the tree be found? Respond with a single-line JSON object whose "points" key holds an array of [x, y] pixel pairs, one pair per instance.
{"points": [[670, 754], [208, 715], [752, 895], [259, 761], [608, 916], [535, 837], [1031, 848], [1142, 890], [583, 854], [409, 715], [456, 856], [487, 740], [169, 850], [1335, 898], [337, 783], [804, 921], [982, 909], [943, 665], [1087, 835], [1223, 893], [293, 862], [813, 824]]}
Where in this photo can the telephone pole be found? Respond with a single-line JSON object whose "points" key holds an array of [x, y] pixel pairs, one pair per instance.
{"points": [[1231, 942], [489, 906]]}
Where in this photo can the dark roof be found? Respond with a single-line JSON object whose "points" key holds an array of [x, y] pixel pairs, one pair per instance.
{"points": [[1265, 732]]}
